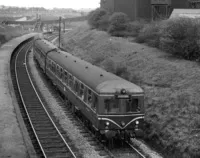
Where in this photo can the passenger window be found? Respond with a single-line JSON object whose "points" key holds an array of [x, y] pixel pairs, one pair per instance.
{"points": [[53, 67], [89, 97], [76, 86], [57, 70], [81, 91], [85, 95], [71, 80], [61, 73], [95, 102], [66, 78]]}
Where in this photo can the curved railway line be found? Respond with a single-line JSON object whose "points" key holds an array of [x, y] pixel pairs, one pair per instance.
{"points": [[48, 141], [47, 137]]}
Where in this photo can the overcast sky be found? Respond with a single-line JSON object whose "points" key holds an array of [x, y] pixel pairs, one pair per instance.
{"points": [[75, 4]]}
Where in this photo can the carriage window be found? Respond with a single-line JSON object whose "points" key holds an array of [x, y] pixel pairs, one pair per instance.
{"points": [[71, 81], [76, 86], [85, 95], [95, 102], [81, 91], [111, 106], [53, 67], [57, 69], [61, 73], [89, 97], [66, 77]]}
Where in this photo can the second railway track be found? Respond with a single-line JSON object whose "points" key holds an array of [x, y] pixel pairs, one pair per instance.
{"points": [[48, 137]]}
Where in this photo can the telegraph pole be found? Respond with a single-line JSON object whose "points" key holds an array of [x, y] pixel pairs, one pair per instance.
{"points": [[59, 31]]}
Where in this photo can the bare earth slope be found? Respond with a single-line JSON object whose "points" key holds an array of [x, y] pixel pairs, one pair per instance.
{"points": [[172, 86]]}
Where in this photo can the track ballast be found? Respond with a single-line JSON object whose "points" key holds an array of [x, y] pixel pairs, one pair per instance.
{"points": [[50, 141]]}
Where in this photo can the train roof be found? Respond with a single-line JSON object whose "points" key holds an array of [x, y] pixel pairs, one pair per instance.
{"points": [[94, 77], [44, 45]]}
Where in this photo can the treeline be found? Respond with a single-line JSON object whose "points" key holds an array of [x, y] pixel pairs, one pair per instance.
{"points": [[34, 9], [9, 8], [180, 37]]}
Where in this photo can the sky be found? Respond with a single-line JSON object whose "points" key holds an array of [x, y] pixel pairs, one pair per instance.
{"points": [[49, 4]]}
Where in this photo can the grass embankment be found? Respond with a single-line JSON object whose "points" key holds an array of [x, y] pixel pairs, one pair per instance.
{"points": [[172, 86], [8, 32]]}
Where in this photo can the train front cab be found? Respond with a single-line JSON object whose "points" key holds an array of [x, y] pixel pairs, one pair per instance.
{"points": [[121, 115]]}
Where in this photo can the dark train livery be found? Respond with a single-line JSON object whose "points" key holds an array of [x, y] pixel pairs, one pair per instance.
{"points": [[112, 106]]}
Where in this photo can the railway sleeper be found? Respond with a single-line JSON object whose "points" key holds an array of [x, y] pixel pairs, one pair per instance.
{"points": [[53, 145], [50, 140], [47, 137], [47, 132], [60, 156], [42, 126], [40, 121], [52, 151]]}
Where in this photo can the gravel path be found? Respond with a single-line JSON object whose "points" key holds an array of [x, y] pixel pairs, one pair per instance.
{"points": [[79, 141]]}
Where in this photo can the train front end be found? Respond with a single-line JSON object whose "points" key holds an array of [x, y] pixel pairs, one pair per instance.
{"points": [[122, 110]]}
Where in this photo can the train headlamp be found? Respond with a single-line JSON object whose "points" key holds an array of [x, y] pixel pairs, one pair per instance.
{"points": [[123, 91], [136, 122], [107, 123]]}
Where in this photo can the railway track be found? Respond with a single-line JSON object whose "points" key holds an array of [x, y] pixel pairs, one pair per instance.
{"points": [[46, 137], [51, 37], [103, 150]]}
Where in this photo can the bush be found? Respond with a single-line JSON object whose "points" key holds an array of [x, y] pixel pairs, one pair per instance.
{"points": [[118, 24], [98, 19], [181, 37], [150, 34], [135, 27]]}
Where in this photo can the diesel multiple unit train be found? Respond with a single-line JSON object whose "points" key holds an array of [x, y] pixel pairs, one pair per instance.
{"points": [[112, 106]]}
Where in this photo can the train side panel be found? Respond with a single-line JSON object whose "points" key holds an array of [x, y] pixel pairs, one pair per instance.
{"points": [[40, 57], [88, 112]]}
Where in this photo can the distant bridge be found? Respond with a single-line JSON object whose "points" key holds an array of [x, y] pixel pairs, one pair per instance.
{"points": [[80, 18]]}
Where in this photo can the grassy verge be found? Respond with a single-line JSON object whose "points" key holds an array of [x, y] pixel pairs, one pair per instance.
{"points": [[8, 32], [172, 86]]}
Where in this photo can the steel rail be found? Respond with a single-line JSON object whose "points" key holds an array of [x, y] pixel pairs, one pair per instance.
{"points": [[136, 150], [46, 109], [24, 104]]}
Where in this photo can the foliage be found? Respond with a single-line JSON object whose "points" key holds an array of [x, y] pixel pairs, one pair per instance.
{"points": [[98, 19], [150, 34], [181, 38], [118, 24], [134, 27]]}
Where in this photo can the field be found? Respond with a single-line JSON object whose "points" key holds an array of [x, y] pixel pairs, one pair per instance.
{"points": [[172, 86]]}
